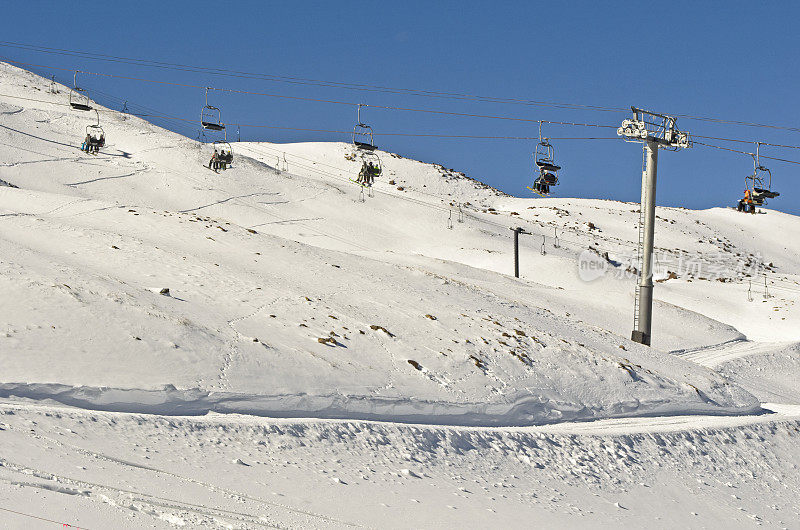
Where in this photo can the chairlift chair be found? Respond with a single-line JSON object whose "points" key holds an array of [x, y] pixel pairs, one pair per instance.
{"points": [[548, 170], [95, 135], [371, 168], [362, 134], [544, 157], [223, 145], [211, 116], [218, 146], [78, 97], [760, 182]]}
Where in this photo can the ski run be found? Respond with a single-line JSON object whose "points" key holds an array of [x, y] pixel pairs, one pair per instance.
{"points": [[271, 345]]}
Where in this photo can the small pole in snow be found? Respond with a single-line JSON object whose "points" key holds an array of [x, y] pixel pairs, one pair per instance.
{"points": [[517, 231]]}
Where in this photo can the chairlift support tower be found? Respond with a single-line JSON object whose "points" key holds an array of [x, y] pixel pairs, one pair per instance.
{"points": [[654, 131]]}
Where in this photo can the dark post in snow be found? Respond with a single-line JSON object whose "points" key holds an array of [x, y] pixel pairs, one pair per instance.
{"points": [[655, 131], [517, 231]]}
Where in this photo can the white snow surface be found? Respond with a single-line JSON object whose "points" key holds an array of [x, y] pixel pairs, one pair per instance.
{"points": [[432, 381], [117, 470]]}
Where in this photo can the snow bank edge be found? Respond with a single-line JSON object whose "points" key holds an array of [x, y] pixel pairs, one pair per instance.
{"points": [[525, 411]]}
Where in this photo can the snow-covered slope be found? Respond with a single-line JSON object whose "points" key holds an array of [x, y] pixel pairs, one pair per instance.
{"points": [[293, 295], [288, 295], [114, 229], [771, 371]]}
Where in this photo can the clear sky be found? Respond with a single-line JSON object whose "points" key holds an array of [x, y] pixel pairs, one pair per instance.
{"points": [[734, 60]]}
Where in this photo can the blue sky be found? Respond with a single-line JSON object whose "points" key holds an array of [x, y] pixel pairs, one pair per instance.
{"points": [[733, 60]]}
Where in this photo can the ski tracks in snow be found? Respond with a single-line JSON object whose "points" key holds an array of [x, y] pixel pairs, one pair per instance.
{"points": [[715, 355], [276, 515]]}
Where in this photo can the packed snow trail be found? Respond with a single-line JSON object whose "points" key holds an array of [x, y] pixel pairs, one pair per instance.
{"points": [[714, 356], [770, 371], [102, 469]]}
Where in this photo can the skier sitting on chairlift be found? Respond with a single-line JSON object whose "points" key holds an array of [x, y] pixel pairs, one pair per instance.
{"points": [[370, 173], [363, 175], [214, 162], [746, 204], [223, 160], [541, 185]]}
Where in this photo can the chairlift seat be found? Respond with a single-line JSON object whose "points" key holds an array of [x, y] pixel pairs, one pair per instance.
{"points": [[769, 194], [213, 125], [80, 106], [550, 179], [364, 145], [547, 166]]}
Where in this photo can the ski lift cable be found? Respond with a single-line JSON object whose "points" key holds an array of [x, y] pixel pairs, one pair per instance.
{"points": [[467, 213], [582, 245], [619, 242], [503, 227], [384, 107], [748, 153], [745, 141], [162, 116], [539, 122], [312, 82], [361, 86], [148, 111], [330, 101], [772, 285], [165, 116], [300, 80], [133, 104]]}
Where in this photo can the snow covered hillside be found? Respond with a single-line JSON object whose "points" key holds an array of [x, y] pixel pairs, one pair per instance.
{"points": [[289, 295], [139, 282]]}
